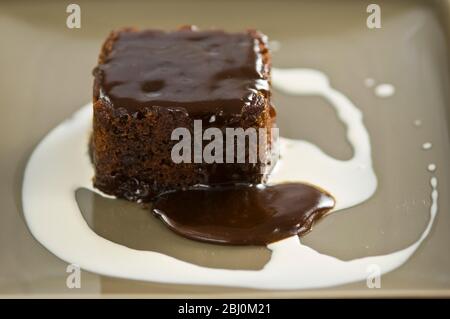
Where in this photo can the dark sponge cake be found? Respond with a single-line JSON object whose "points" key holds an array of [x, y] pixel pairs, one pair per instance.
{"points": [[147, 83]]}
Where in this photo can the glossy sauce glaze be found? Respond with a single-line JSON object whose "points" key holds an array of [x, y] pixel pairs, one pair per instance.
{"points": [[200, 71], [243, 214]]}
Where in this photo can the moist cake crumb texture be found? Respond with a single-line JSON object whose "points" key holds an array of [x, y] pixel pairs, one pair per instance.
{"points": [[147, 83]]}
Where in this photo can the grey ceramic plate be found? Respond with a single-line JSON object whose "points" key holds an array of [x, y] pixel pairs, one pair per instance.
{"points": [[46, 75]]}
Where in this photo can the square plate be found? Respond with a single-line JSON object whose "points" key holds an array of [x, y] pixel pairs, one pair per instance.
{"points": [[46, 76]]}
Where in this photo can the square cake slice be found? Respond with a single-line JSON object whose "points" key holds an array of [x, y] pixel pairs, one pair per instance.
{"points": [[148, 83]]}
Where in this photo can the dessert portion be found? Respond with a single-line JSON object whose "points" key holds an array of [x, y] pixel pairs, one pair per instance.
{"points": [[148, 83]]}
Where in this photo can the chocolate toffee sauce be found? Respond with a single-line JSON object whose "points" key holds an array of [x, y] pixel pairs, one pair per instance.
{"points": [[243, 214], [203, 72], [188, 69]]}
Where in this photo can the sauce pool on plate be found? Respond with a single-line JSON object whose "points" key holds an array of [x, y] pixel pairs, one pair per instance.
{"points": [[243, 214]]}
